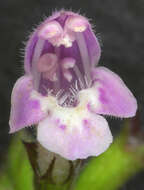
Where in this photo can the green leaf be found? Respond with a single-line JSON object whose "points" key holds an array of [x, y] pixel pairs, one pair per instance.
{"points": [[19, 169], [5, 183], [111, 169]]}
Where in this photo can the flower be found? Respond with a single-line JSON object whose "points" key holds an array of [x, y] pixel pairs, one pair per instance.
{"points": [[64, 94]]}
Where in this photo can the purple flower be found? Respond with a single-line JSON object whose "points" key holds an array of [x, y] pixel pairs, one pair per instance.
{"points": [[62, 92]]}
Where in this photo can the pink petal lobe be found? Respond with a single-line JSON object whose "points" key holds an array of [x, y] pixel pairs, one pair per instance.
{"points": [[25, 110], [115, 98], [89, 136]]}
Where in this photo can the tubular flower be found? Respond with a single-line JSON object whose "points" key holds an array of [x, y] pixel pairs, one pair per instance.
{"points": [[64, 94]]}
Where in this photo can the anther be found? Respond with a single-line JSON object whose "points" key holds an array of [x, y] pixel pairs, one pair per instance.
{"points": [[50, 30], [47, 65], [67, 63], [76, 23]]}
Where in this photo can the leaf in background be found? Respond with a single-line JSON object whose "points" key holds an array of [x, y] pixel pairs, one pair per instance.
{"points": [[112, 169], [19, 170], [5, 183]]}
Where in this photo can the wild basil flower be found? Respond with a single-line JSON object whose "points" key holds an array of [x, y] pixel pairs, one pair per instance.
{"points": [[62, 92]]}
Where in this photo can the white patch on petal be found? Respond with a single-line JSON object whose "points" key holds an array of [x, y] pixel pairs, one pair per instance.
{"points": [[90, 96], [74, 140], [69, 116], [47, 102], [73, 132]]}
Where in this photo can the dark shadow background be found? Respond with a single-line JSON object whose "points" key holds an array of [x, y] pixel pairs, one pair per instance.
{"points": [[119, 24]]}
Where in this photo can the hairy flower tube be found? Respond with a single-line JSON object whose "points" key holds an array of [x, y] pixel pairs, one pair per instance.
{"points": [[62, 92]]}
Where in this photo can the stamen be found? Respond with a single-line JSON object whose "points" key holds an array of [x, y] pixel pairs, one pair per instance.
{"points": [[88, 83], [57, 84], [67, 75], [54, 78], [76, 23], [76, 85], [50, 30], [84, 54], [81, 84], [46, 62], [54, 33], [66, 64], [50, 75], [79, 76], [47, 65], [36, 55]]}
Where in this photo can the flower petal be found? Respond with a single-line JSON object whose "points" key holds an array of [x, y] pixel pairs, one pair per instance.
{"points": [[66, 35], [115, 98], [74, 137], [93, 46], [25, 110]]}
